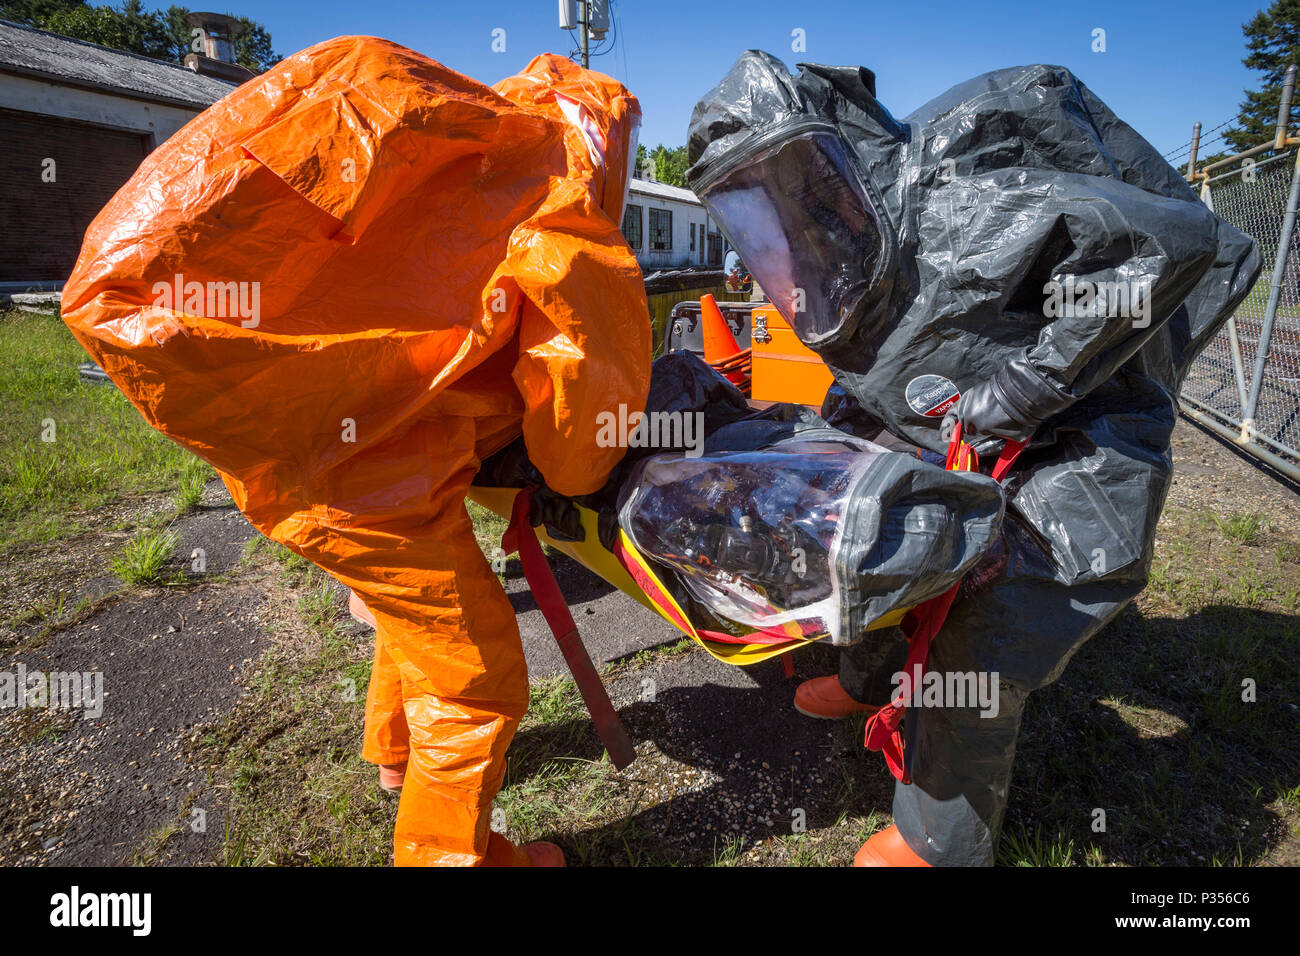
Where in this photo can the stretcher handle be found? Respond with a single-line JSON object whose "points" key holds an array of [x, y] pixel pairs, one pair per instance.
{"points": [[520, 537]]}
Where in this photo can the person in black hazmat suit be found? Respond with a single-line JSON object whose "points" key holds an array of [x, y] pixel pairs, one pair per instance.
{"points": [[1014, 243]]}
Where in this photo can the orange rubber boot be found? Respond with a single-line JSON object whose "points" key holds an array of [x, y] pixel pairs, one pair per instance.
{"points": [[357, 608], [392, 776], [887, 848], [825, 699], [542, 853], [501, 852]]}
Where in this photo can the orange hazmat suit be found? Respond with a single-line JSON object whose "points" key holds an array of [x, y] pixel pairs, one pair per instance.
{"points": [[344, 285]]}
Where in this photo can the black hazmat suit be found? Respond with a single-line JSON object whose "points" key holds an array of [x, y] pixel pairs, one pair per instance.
{"points": [[1011, 242]]}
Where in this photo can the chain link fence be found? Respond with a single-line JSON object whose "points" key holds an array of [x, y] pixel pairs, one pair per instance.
{"points": [[1256, 405]]}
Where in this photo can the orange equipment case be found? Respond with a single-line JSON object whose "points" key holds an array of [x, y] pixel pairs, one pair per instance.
{"points": [[784, 369]]}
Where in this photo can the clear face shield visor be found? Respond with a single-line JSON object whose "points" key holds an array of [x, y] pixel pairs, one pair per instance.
{"points": [[807, 230]]}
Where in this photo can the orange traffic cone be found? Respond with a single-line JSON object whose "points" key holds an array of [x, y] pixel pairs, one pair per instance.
{"points": [[719, 343]]}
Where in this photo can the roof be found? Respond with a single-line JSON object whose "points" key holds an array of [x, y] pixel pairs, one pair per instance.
{"points": [[28, 51], [648, 187]]}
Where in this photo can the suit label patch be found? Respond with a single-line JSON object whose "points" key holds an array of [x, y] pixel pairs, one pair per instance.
{"points": [[931, 395]]}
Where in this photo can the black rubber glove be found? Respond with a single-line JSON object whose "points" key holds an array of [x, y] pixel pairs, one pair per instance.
{"points": [[1011, 404]]}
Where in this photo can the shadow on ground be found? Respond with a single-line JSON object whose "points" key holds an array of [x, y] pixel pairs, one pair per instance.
{"points": [[1148, 723]]}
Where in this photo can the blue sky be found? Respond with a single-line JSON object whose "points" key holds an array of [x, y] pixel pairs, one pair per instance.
{"points": [[1166, 65]]}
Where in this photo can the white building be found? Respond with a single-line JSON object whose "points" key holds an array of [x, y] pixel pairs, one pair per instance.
{"points": [[668, 228]]}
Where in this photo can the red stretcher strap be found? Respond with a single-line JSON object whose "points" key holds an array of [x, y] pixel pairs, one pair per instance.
{"points": [[883, 727], [1010, 452], [520, 537], [923, 624]]}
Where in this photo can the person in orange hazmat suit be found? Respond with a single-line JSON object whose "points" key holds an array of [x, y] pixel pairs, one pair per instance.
{"points": [[552, 87], [345, 284]]}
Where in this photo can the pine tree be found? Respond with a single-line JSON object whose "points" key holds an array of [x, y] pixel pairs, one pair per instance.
{"points": [[1273, 39]]}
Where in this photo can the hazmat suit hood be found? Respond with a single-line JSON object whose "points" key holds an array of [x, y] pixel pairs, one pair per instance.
{"points": [[791, 196], [602, 113], [978, 224]]}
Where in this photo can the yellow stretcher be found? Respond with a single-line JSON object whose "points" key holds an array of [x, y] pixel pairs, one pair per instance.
{"points": [[629, 571]]}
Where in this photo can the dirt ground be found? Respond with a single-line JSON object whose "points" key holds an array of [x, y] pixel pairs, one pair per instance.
{"points": [[92, 790], [233, 707]]}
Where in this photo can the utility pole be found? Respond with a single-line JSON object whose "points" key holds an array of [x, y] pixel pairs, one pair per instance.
{"points": [[591, 17], [584, 24]]}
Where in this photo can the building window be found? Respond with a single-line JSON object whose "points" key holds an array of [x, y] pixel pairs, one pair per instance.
{"points": [[661, 230], [632, 226], [692, 237]]}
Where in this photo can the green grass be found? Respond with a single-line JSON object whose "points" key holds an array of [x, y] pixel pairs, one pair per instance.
{"points": [[99, 449], [319, 602], [488, 529], [294, 568], [144, 558], [56, 612], [554, 701], [190, 491], [1243, 528], [1025, 848], [1256, 302]]}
